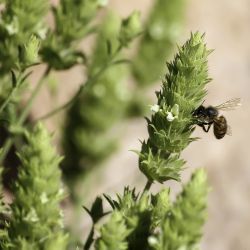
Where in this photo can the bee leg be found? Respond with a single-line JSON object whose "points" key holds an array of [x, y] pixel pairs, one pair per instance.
{"points": [[208, 127], [204, 128]]}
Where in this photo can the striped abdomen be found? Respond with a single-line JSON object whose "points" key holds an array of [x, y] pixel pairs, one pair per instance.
{"points": [[220, 127]]}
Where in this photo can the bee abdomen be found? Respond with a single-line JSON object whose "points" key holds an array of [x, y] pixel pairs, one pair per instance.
{"points": [[220, 127]]}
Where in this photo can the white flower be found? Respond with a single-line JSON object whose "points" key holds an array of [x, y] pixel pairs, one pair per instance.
{"points": [[31, 216], [60, 192], [170, 116], [44, 198], [152, 241], [42, 33], [60, 220], [155, 108], [173, 114]]}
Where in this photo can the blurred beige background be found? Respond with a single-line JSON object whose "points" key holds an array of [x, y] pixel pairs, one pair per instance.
{"points": [[227, 162]]}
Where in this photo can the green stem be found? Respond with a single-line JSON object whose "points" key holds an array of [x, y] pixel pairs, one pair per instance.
{"points": [[62, 107], [82, 86], [5, 149], [90, 239], [147, 186], [35, 92], [8, 99], [8, 143]]}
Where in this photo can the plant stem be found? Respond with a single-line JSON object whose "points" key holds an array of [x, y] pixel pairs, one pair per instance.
{"points": [[89, 239], [35, 92], [147, 186], [8, 143], [64, 106], [5, 149], [7, 100]]}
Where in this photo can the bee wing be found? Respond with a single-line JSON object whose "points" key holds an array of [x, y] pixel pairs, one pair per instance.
{"points": [[229, 130], [229, 105]]}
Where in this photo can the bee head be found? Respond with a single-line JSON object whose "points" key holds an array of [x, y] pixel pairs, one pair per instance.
{"points": [[200, 111], [212, 112]]}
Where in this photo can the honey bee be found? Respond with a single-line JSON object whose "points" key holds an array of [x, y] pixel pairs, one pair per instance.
{"points": [[205, 117]]}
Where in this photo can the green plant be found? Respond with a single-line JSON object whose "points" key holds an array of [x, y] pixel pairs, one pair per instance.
{"points": [[154, 222], [103, 103], [171, 125], [143, 220], [36, 219], [97, 111]]}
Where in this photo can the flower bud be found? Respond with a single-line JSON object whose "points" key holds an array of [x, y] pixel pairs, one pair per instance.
{"points": [[130, 28], [31, 49]]}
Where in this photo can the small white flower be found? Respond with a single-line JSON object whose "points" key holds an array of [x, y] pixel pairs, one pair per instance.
{"points": [[42, 33], [155, 108], [173, 114], [44, 198], [170, 116], [60, 192], [60, 221], [31, 216], [152, 241]]}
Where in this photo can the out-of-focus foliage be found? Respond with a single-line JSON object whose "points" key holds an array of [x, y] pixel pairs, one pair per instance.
{"points": [[72, 23], [97, 111], [171, 124], [89, 136], [162, 30], [36, 219], [130, 28]]}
